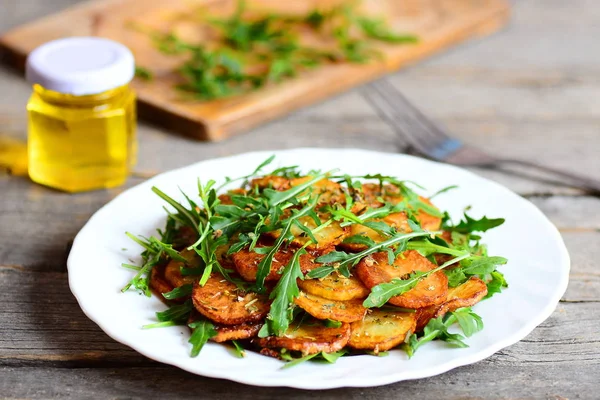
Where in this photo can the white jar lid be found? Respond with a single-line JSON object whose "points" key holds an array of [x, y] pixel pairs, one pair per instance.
{"points": [[80, 65]]}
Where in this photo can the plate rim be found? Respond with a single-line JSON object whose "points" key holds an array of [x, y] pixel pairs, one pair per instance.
{"points": [[489, 350]]}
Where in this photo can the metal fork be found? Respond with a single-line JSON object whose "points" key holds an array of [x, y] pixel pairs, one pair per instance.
{"points": [[426, 138]]}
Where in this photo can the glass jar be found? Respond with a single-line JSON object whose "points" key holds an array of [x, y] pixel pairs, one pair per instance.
{"points": [[81, 114]]}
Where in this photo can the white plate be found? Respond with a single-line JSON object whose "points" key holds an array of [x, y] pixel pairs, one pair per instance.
{"points": [[537, 272]]}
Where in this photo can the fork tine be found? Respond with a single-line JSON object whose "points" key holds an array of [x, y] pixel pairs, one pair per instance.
{"points": [[385, 113], [422, 133], [402, 124], [425, 120]]}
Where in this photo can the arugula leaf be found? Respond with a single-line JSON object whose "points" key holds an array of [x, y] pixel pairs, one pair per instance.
{"points": [[283, 295], [456, 277], [443, 190], [264, 267], [298, 361], [381, 293], [178, 313], [380, 227], [239, 350], [482, 265], [333, 257], [495, 284], [321, 272], [330, 323], [469, 322], [376, 29], [469, 224], [333, 357], [436, 328], [360, 239], [329, 357], [141, 280], [202, 331], [179, 292], [190, 217]]}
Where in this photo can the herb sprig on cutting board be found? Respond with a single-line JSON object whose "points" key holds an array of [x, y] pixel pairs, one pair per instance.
{"points": [[250, 49]]}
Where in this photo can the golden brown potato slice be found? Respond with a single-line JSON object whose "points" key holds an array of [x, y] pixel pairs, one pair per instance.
{"points": [[331, 235], [221, 301], [372, 193], [381, 330], [335, 287], [246, 263], [173, 269], [236, 332], [428, 221], [328, 237], [309, 338], [329, 192], [466, 295], [321, 308], [229, 332], [271, 181], [158, 283], [432, 290]]}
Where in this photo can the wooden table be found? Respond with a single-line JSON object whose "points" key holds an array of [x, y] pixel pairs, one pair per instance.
{"points": [[531, 90]]}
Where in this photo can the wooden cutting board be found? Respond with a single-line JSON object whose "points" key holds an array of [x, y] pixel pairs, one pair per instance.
{"points": [[437, 23]]}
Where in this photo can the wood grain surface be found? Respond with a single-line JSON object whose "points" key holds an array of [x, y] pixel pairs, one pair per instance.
{"points": [[438, 24], [529, 91]]}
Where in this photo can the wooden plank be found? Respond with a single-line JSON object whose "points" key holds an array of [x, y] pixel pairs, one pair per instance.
{"points": [[438, 25]]}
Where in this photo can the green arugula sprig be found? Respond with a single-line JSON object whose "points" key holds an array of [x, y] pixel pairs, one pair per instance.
{"points": [[437, 328], [283, 295], [331, 358]]}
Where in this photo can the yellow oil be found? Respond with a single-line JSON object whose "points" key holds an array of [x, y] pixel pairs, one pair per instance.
{"points": [[79, 143]]}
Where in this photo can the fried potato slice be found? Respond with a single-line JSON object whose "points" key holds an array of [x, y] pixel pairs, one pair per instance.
{"points": [[428, 221], [321, 308], [329, 236], [335, 287], [229, 332], [271, 181], [329, 192], [236, 332], [221, 301], [432, 290], [381, 330], [372, 193], [158, 283], [309, 338], [466, 295], [246, 264], [173, 269]]}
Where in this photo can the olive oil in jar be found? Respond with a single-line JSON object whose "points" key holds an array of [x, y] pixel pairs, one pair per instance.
{"points": [[81, 114]]}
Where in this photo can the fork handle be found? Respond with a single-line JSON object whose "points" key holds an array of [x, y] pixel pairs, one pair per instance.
{"points": [[582, 182]]}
